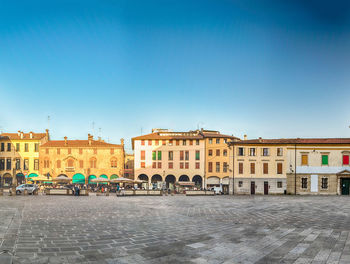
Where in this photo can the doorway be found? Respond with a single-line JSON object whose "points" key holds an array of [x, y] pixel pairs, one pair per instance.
{"points": [[252, 187], [345, 186], [266, 187]]}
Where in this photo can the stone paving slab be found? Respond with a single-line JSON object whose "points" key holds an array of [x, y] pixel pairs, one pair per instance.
{"points": [[175, 229]]}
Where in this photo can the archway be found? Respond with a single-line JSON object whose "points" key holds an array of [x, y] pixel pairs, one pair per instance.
{"points": [[143, 177], [104, 176], [156, 178], [198, 181], [170, 181], [91, 177], [184, 178], [7, 180], [78, 179], [225, 184], [20, 178], [114, 176]]}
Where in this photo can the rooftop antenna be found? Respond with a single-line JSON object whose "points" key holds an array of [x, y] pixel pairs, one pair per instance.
{"points": [[99, 132], [141, 131], [48, 122], [93, 127]]}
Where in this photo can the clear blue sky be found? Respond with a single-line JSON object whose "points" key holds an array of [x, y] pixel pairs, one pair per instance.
{"points": [[262, 68]]}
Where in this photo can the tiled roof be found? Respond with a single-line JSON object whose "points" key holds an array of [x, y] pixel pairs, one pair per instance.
{"points": [[169, 135], [78, 143], [292, 141], [14, 136], [215, 135]]}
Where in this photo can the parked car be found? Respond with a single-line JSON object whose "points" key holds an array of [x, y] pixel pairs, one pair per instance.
{"points": [[29, 187]]}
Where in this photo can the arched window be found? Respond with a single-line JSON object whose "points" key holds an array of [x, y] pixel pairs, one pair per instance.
{"points": [[70, 163], [58, 164], [46, 163], [114, 163], [93, 162]]}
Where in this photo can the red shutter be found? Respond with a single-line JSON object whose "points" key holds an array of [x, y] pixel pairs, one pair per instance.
{"points": [[345, 159]]}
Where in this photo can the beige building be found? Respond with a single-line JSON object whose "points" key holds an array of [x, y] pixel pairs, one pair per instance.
{"points": [[129, 166], [82, 160], [19, 156], [259, 166]]}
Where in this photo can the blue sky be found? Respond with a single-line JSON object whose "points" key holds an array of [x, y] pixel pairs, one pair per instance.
{"points": [[262, 68]]}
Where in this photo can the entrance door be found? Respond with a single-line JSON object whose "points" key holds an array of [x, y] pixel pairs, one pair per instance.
{"points": [[252, 187], [266, 188], [345, 186]]}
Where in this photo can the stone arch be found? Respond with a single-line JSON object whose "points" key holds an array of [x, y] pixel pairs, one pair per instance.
{"points": [[7, 180], [156, 178], [198, 180], [91, 177], [20, 178], [170, 181], [78, 178], [184, 178], [143, 177]]}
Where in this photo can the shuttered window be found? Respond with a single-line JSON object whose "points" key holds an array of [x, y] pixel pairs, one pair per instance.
{"points": [[143, 155], [279, 168], [197, 154], [159, 155], [266, 168], [324, 159], [345, 159], [154, 155], [252, 168], [240, 168], [304, 160], [210, 167]]}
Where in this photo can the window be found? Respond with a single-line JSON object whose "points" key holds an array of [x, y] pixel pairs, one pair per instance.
{"points": [[58, 165], [171, 165], [186, 165], [266, 152], [210, 141], [18, 164], [266, 168], [191, 142], [70, 163], [240, 184], [217, 167], [154, 165], [324, 159], [252, 152], [93, 163], [324, 184], [279, 168], [159, 155], [218, 141], [143, 155], [240, 168], [218, 152], [184, 142], [81, 151], [197, 165], [170, 142], [159, 165], [197, 142], [304, 160], [46, 151], [26, 147], [154, 155], [304, 183], [252, 168], [8, 164], [164, 142], [345, 159], [36, 164], [2, 146], [279, 151], [157, 142], [70, 151], [95, 151], [58, 151], [224, 152], [143, 165], [2, 164], [171, 155], [8, 146], [114, 163], [112, 151], [181, 165], [240, 151], [224, 168], [181, 155], [177, 142], [142, 142], [279, 184], [210, 152], [187, 155], [36, 147], [18, 147], [26, 164], [197, 154], [210, 167], [149, 142]]}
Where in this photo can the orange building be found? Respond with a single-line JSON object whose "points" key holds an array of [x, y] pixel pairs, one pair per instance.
{"points": [[82, 160]]}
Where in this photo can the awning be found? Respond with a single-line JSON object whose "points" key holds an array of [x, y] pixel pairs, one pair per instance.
{"points": [[183, 183], [213, 180]]}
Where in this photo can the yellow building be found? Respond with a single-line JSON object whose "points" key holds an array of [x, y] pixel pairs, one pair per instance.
{"points": [[129, 166], [19, 156], [82, 160]]}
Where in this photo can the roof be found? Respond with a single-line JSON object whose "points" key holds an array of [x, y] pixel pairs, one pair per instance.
{"points": [[78, 143], [217, 135], [26, 136], [170, 135], [293, 141]]}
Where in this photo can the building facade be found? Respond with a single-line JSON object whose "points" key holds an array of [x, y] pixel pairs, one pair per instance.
{"points": [[82, 160], [259, 166], [129, 166], [322, 166], [165, 157], [19, 156]]}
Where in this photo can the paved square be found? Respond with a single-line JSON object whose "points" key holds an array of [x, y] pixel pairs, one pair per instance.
{"points": [[174, 229]]}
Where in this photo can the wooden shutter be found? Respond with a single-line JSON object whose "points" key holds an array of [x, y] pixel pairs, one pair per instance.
{"points": [[252, 168], [279, 168], [266, 168], [240, 168], [304, 159]]}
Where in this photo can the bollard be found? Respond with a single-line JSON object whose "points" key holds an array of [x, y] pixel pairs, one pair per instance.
{"points": [[1, 192]]}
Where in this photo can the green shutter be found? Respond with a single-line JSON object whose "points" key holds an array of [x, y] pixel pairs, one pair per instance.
{"points": [[159, 155], [324, 159], [153, 155], [197, 155]]}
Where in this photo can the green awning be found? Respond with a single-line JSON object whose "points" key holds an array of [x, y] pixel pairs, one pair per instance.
{"points": [[79, 178], [32, 175], [105, 177], [92, 177], [114, 176]]}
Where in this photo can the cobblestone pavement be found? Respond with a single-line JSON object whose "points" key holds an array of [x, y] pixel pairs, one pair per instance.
{"points": [[174, 229]]}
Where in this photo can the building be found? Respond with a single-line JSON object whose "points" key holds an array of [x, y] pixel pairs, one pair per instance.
{"points": [[322, 166], [260, 165], [169, 157], [129, 166], [82, 160], [19, 156], [217, 169]]}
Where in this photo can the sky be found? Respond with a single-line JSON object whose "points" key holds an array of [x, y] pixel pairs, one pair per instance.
{"points": [[116, 69]]}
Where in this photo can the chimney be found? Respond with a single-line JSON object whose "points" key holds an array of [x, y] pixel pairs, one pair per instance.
{"points": [[260, 139], [30, 134], [22, 135], [122, 141], [47, 133], [65, 140], [245, 137], [90, 138], [18, 133]]}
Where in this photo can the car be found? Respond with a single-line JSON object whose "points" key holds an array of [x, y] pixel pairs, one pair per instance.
{"points": [[217, 190], [30, 188]]}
